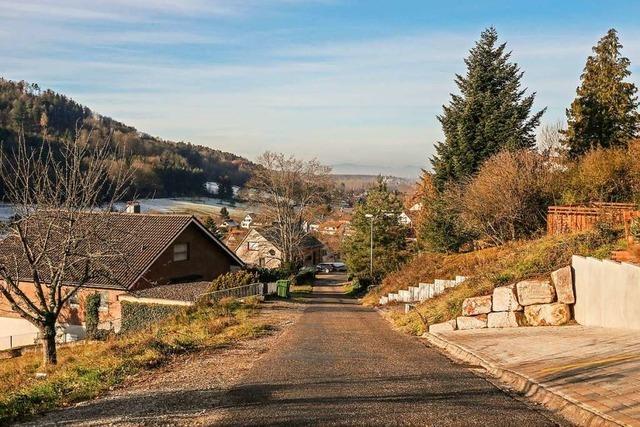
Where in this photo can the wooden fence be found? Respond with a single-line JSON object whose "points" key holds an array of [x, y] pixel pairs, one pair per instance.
{"points": [[572, 219]]}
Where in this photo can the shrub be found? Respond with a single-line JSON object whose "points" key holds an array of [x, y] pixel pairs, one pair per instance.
{"points": [[508, 198], [137, 316], [305, 276], [233, 279], [608, 175], [92, 315], [441, 229], [635, 229], [266, 275]]}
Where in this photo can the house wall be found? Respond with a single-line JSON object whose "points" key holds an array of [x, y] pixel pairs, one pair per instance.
{"points": [[70, 315], [261, 256], [607, 293], [206, 262]]}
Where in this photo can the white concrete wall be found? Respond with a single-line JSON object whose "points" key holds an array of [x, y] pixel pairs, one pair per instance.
{"points": [[23, 332], [607, 293]]}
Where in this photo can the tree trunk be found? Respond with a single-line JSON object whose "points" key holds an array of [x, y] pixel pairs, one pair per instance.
{"points": [[49, 350]]}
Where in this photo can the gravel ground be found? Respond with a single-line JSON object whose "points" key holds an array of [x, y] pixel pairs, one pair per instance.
{"points": [[183, 390]]}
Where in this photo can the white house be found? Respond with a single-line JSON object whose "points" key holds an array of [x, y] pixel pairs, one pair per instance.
{"points": [[404, 219]]}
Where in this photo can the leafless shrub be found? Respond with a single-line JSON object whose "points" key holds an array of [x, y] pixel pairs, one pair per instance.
{"points": [[605, 175], [509, 196]]}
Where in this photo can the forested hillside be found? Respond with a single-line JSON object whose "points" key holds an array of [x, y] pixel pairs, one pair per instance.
{"points": [[163, 168]]}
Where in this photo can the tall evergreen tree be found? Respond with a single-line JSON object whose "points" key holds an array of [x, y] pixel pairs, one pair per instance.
{"points": [[605, 110], [490, 114]]}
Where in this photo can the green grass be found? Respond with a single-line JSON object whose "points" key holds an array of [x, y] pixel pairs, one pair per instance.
{"points": [[487, 269], [87, 370], [353, 289]]}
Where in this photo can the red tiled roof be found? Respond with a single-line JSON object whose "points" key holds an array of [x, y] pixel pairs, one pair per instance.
{"points": [[138, 239]]}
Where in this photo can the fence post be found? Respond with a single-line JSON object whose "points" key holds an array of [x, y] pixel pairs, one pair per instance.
{"points": [[10, 342]]}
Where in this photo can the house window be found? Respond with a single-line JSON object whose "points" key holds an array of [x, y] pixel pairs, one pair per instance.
{"points": [[272, 252], [104, 301], [181, 252], [253, 246], [74, 301]]}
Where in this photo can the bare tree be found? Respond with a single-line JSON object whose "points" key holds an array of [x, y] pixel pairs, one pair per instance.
{"points": [[287, 189], [550, 141], [508, 198], [61, 237]]}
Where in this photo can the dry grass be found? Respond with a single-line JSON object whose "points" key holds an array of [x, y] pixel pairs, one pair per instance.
{"points": [[487, 268], [88, 370]]}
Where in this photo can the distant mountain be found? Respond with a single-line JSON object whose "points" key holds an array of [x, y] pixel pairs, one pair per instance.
{"points": [[164, 168], [403, 171], [364, 182]]}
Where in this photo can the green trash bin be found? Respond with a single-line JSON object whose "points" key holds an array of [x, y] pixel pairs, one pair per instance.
{"points": [[282, 288]]}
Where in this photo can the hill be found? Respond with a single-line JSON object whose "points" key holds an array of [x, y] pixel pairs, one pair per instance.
{"points": [[164, 168], [364, 182]]}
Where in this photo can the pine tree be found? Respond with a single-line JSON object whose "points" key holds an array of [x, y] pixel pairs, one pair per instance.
{"points": [[389, 236], [604, 112], [490, 114], [224, 213], [211, 225]]}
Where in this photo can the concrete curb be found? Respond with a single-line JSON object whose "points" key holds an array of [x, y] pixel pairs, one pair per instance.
{"points": [[569, 408]]}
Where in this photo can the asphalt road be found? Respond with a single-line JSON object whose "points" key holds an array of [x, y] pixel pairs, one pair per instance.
{"points": [[342, 363]]}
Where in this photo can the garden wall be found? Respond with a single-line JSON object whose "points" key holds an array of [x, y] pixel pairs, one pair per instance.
{"points": [[607, 293]]}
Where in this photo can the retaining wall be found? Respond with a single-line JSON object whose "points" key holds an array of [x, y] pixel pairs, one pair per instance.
{"points": [[607, 293]]}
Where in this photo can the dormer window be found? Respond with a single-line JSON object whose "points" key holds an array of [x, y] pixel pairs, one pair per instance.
{"points": [[181, 252]]}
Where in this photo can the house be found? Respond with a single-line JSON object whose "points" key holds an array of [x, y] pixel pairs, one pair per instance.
{"points": [[234, 237], [404, 219], [157, 251], [334, 227], [416, 207], [230, 224], [258, 248], [250, 221]]}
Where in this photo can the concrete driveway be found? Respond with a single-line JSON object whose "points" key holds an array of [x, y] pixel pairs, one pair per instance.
{"points": [[342, 363]]}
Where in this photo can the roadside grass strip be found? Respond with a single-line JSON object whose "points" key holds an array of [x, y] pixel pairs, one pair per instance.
{"points": [[87, 370]]}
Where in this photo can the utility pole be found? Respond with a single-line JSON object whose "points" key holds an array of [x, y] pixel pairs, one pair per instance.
{"points": [[371, 247]]}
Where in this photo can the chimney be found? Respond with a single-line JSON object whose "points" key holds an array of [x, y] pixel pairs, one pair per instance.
{"points": [[133, 207]]}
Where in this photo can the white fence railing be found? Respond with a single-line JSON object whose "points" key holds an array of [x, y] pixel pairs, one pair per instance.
{"points": [[245, 291]]}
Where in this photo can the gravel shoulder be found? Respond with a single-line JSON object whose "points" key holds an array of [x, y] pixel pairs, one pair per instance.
{"points": [[185, 389]]}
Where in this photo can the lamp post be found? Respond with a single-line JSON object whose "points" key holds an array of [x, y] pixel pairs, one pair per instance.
{"points": [[371, 247], [371, 217]]}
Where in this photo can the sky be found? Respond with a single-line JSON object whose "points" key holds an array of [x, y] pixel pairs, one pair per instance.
{"points": [[357, 84]]}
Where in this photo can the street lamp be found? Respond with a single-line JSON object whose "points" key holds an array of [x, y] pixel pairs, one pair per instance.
{"points": [[371, 247], [371, 217]]}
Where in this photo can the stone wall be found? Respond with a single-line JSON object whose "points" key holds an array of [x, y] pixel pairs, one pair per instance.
{"points": [[607, 293], [526, 303]]}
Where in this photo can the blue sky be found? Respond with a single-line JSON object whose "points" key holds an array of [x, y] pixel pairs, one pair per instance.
{"points": [[357, 84]]}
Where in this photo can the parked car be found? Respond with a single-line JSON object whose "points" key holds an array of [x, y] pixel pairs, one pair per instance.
{"points": [[339, 266], [330, 267], [325, 267]]}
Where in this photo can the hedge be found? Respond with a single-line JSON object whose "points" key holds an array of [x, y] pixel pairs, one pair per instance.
{"points": [[136, 316]]}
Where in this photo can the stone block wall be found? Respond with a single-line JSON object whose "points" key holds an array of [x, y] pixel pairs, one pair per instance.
{"points": [[526, 303]]}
